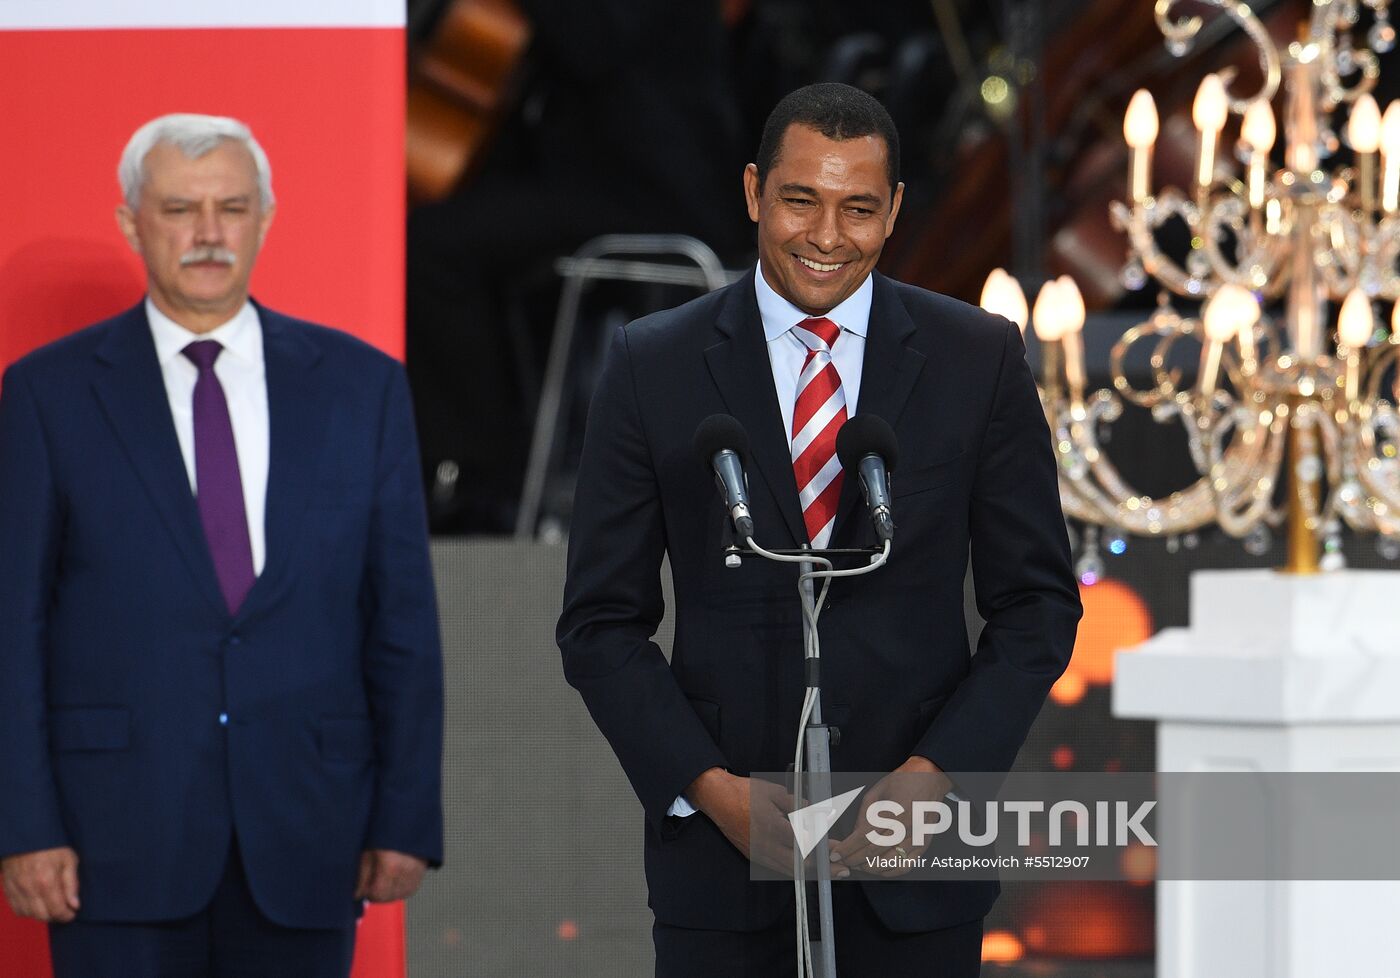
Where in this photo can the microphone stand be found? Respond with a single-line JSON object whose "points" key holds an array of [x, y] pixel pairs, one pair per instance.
{"points": [[820, 955], [818, 743]]}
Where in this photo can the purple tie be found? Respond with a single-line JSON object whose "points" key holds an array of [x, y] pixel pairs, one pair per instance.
{"points": [[219, 487]]}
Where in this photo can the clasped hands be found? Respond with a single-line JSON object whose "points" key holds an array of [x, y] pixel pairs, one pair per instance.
{"points": [[386, 875], [753, 815], [43, 885]]}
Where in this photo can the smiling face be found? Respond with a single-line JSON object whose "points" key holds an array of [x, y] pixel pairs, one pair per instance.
{"points": [[823, 214], [198, 228]]}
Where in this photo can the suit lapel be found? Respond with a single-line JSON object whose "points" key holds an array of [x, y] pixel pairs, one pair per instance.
{"points": [[298, 418], [132, 393], [887, 378], [741, 370]]}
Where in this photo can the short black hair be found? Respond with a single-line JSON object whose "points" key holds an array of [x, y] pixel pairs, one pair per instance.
{"points": [[837, 112]]}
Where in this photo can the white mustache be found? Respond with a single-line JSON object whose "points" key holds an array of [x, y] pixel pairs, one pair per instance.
{"points": [[198, 255]]}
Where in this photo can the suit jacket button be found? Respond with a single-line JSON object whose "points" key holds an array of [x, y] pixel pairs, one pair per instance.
{"points": [[223, 719]]}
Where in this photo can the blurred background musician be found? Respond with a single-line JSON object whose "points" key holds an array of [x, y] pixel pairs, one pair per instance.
{"points": [[624, 121]]}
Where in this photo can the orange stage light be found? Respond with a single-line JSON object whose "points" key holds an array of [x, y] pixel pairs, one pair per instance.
{"points": [[1069, 689], [1000, 945], [1093, 920], [1115, 617], [1139, 863]]}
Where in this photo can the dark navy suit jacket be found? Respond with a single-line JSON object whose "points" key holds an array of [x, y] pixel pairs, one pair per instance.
{"points": [[140, 722], [975, 472]]}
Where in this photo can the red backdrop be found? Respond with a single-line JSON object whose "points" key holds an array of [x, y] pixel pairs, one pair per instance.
{"points": [[326, 103]]}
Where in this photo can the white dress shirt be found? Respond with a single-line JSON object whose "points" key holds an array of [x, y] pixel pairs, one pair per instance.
{"points": [[243, 377], [787, 354]]}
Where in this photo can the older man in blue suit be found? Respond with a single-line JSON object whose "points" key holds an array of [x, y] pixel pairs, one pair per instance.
{"points": [[220, 679]]}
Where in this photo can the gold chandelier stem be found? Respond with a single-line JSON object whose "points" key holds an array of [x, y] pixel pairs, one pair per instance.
{"points": [[1305, 309], [1303, 556]]}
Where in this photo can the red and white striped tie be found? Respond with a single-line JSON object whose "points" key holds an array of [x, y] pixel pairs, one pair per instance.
{"points": [[819, 413]]}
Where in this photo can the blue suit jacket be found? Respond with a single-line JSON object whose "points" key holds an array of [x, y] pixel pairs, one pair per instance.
{"points": [[975, 473], [140, 722]]}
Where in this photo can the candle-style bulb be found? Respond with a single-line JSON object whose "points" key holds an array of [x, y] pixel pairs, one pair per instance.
{"points": [[1390, 129], [1140, 121], [1259, 129], [1048, 314], [1212, 105], [1072, 304], [1355, 325], [1002, 296], [1231, 309], [1071, 309], [1364, 125]]}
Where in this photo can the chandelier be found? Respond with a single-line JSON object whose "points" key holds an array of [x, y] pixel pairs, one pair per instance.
{"points": [[1289, 423]]}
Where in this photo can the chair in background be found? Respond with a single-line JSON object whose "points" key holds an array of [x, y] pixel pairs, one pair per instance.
{"points": [[652, 260]]}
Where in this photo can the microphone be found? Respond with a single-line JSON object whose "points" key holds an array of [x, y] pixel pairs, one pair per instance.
{"points": [[866, 445], [723, 443]]}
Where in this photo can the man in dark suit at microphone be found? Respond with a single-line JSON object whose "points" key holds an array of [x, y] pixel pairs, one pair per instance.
{"points": [[812, 337]]}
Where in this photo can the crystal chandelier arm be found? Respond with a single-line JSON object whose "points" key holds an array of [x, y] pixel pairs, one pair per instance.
{"points": [[1349, 499], [1089, 502], [1236, 494], [1181, 34], [1232, 366], [1336, 92], [1236, 487], [1337, 245], [1257, 266], [1241, 478], [1078, 509], [1266, 329], [1383, 360], [1335, 437], [1140, 224], [1180, 512], [1165, 325], [1382, 254], [1379, 482], [1077, 498], [1080, 497], [1323, 30], [1376, 472], [1107, 498], [1168, 381]]}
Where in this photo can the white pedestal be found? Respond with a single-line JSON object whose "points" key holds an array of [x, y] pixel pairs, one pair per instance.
{"points": [[1275, 673]]}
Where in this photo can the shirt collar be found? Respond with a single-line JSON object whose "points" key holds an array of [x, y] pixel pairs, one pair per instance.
{"points": [[241, 336], [779, 315]]}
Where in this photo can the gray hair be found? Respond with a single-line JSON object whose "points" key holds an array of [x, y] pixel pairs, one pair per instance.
{"points": [[194, 135]]}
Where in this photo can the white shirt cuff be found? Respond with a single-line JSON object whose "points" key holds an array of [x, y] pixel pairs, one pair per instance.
{"points": [[681, 808]]}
